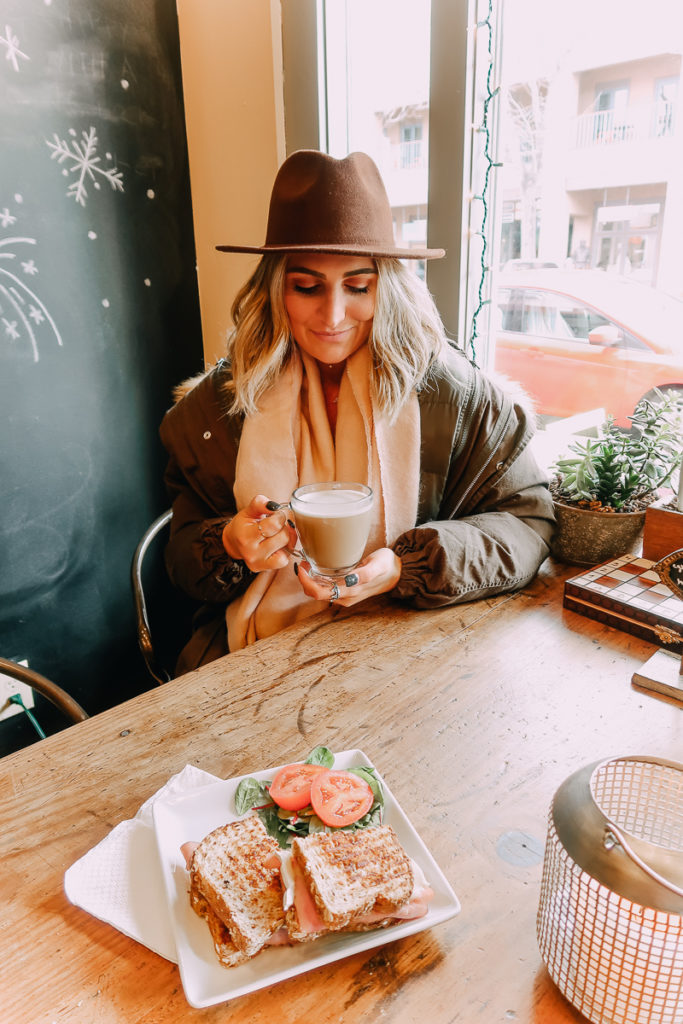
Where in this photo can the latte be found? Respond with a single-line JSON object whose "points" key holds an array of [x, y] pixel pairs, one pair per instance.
{"points": [[333, 521]]}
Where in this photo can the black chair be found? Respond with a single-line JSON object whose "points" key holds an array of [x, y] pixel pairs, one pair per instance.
{"points": [[163, 613], [69, 707]]}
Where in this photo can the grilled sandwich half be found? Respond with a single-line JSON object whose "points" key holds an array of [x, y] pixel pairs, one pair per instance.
{"points": [[347, 881], [227, 952], [235, 883]]}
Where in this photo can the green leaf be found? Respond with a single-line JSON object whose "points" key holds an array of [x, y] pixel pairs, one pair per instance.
{"points": [[619, 465], [298, 827], [316, 825], [368, 776], [321, 755], [250, 793]]}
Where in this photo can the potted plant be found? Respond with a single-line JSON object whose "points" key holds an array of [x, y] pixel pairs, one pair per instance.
{"points": [[602, 490]]}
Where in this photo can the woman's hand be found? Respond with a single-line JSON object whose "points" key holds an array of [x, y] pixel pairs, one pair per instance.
{"points": [[378, 574], [258, 537]]}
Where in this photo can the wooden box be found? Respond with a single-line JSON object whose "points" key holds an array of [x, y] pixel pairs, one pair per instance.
{"points": [[628, 594], [663, 531]]}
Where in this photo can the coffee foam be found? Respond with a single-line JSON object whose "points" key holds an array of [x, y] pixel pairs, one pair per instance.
{"points": [[326, 503]]}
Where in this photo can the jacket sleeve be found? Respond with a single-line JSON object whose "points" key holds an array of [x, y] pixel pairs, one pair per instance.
{"points": [[201, 442], [495, 518], [196, 560]]}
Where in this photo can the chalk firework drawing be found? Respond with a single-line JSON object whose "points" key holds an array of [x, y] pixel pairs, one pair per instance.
{"points": [[82, 153], [11, 46], [22, 314]]}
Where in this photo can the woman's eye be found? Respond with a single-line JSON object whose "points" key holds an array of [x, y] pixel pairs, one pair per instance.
{"points": [[314, 289]]}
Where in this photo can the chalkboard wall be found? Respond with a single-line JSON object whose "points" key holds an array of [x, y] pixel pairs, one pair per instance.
{"points": [[99, 317]]}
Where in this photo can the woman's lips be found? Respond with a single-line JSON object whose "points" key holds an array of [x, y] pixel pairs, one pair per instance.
{"points": [[332, 335]]}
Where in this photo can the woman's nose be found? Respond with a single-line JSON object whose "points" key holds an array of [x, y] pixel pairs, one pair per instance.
{"points": [[334, 308]]}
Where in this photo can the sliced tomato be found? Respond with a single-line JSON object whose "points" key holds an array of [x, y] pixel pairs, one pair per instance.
{"points": [[291, 787], [340, 798]]}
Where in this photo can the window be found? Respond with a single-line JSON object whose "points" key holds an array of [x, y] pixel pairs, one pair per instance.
{"points": [[626, 239], [411, 146], [377, 58], [549, 316], [666, 94], [581, 153], [589, 183], [611, 118]]}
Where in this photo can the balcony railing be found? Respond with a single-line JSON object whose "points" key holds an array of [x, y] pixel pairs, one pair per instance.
{"points": [[408, 156], [636, 123]]}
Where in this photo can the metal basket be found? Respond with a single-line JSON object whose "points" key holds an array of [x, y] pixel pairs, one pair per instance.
{"points": [[610, 918]]}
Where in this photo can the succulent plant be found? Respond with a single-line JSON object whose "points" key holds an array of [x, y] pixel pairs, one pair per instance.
{"points": [[620, 467]]}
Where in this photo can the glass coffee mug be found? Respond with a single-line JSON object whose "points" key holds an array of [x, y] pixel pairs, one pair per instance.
{"points": [[333, 522]]}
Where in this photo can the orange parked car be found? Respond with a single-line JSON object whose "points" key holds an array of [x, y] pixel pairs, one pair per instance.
{"points": [[583, 339]]}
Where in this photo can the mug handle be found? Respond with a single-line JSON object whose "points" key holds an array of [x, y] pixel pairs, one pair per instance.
{"points": [[277, 506]]}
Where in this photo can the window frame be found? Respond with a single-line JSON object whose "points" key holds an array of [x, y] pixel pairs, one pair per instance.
{"points": [[458, 67]]}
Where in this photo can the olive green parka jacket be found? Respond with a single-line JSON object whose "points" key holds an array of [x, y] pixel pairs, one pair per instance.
{"points": [[485, 515]]}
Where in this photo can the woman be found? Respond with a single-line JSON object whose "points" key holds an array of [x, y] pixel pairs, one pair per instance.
{"points": [[338, 368]]}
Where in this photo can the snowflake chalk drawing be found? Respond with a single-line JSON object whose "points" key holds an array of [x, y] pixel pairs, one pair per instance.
{"points": [[82, 153], [11, 47], [21, 311]]}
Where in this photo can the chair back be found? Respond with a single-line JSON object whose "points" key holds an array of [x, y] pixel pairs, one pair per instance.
{"points": [[163, 613], [69, 707]]}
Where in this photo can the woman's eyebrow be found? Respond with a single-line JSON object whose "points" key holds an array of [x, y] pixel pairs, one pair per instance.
{"points": [[305, 270], [316, 273], [361, 270]]}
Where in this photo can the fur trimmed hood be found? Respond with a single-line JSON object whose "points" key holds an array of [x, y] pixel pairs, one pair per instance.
{"points": [[185, 386]]}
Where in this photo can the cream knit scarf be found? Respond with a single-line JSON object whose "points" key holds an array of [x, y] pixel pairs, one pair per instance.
{"points": [[289, 442]]}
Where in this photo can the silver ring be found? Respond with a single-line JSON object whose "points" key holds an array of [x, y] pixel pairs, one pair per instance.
{"points": [[335, 593], [258, 527]]}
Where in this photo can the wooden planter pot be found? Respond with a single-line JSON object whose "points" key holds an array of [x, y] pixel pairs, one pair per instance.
{"points": [[584, 537], [663, 532]]}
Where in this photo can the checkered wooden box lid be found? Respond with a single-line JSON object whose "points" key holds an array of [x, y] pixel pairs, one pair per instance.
{"points": [[626, 593]]}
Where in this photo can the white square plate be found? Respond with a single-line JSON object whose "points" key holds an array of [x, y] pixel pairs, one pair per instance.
{"points": [[205, 981]]}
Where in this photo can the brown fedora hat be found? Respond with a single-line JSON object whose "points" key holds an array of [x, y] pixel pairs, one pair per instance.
{"points": [[320, 204]]}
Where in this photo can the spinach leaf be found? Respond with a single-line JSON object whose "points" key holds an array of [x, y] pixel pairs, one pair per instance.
{"points": [[368, 776], [321, 755], [250, 793], [374, 816], [275, 826]]}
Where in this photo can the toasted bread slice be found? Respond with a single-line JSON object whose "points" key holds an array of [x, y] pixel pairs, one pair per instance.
{"points": [[350, 874], [227, 952], [235, 869]]}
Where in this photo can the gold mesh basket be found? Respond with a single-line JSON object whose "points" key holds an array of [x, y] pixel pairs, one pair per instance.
{"points": [[610, 918]]}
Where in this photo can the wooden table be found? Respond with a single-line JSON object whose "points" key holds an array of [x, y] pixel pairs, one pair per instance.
{"points": [[474, 714]]}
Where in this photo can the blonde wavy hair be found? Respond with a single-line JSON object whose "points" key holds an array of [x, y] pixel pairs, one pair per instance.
{"points": [[406, 341]]}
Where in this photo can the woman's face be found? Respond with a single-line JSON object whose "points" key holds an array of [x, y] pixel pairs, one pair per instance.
{"points": [[330, 302]]}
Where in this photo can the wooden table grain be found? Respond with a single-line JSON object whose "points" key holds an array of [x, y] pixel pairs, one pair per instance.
{"points": [[474, 714]]}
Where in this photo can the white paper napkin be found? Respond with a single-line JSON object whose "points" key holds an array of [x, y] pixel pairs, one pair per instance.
{"points": [[119, 881]]}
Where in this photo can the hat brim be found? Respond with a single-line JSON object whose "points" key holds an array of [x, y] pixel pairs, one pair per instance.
{"points": [[340, 250]]}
